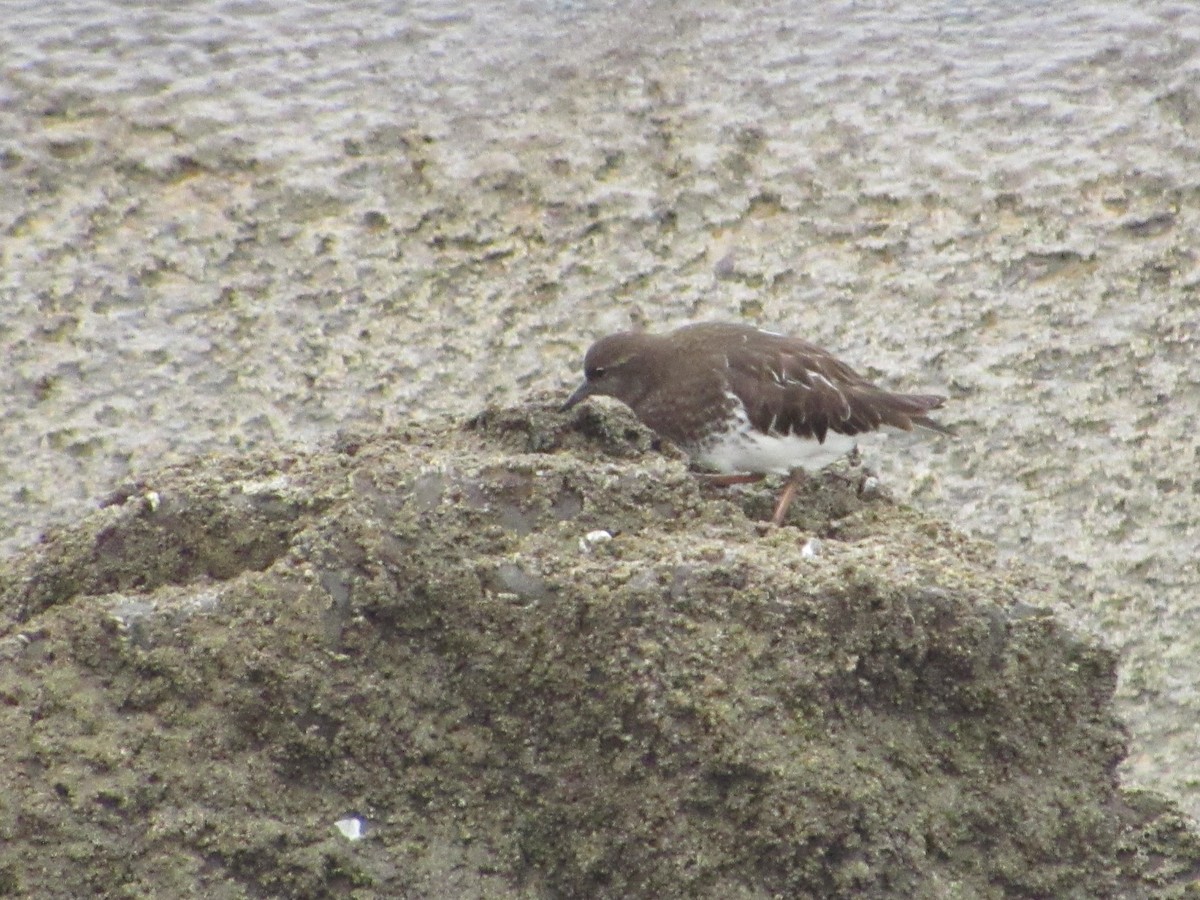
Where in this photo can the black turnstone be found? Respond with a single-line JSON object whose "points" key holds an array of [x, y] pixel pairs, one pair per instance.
{"points": [[746, 402]]}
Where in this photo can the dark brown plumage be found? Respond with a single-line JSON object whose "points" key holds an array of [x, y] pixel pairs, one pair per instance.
{"points": [[739, 399]]}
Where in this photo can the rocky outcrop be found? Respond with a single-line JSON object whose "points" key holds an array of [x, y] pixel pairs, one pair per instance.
{"points": [[534, 656]]}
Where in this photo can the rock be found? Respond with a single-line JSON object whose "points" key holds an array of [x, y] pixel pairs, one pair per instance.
{"points": [[405, 631]]}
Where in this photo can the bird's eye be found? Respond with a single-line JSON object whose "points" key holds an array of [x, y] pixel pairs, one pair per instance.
{"points": [[594, 372]]}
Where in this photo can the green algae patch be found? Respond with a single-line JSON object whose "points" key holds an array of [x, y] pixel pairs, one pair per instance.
{"points": [[535, 656]]}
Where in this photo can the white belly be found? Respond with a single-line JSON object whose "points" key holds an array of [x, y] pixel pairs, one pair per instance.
{"points": [[741, 450]]}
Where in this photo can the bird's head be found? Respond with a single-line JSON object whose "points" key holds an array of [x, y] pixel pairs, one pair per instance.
{"points": [[620, 365]]}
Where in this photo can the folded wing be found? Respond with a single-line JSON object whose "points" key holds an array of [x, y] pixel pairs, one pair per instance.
{"points": [[798, 388]]}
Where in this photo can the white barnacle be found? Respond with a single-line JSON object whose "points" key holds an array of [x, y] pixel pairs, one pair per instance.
{"points": [[593, 538], [351, 828]]}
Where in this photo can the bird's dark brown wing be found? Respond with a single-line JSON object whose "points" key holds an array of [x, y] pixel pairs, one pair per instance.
{"points": [[791, 386]]}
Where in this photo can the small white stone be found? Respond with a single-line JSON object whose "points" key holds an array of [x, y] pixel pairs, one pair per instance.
{"points": [[592, 538], [351, 828]]}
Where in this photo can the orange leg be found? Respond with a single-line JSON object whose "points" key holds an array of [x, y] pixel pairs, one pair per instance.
{"points": [[727, 480], [795, 479]]}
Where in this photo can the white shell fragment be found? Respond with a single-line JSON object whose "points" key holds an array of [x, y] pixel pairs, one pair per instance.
{"points": [[351, 828], [592, 538]]}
